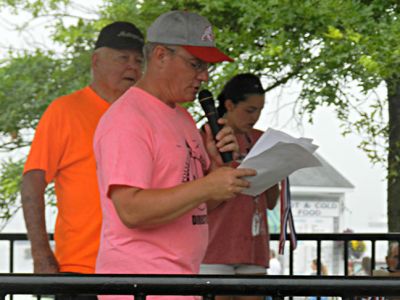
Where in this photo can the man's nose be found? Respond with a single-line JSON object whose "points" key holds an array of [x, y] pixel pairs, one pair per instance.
{"points": [[203, 75], [134, 63]]}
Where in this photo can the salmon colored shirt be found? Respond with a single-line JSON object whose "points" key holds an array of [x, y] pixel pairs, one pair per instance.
{"points": [[63, 148], [142, 142]]}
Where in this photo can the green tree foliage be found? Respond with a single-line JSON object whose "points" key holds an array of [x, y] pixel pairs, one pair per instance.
{"points": [[338, 51], [10, 180]]}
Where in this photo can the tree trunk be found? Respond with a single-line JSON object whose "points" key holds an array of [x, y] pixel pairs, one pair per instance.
{"points": [[393, 200]]}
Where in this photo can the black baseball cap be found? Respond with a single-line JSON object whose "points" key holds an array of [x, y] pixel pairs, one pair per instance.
{"points": [[120, 35]]}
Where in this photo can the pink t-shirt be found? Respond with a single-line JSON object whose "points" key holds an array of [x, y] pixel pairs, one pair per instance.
{"points": [[144, 143]]}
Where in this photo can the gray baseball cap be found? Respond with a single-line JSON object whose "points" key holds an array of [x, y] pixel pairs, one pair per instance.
{"points": [[189, 30]]}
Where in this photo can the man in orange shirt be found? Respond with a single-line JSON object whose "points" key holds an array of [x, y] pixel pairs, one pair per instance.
{"points": [[62, 150]]}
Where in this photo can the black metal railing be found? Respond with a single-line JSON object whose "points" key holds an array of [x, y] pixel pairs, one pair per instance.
{"points": [[318, 238], [209, 286], [206, 286], [12, 238]]}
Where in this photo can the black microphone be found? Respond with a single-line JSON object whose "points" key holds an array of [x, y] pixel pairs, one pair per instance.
{"points": [[207, 103]]}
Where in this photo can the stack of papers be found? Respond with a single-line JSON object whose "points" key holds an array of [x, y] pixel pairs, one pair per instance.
{"points": [[275, 156]]}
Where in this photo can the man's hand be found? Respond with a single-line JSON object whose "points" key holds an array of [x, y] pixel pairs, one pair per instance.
{"points": [[225, 142], [226, 183]]}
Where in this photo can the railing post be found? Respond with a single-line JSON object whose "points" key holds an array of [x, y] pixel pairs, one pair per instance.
{"points": [[373, 254], [140, 296], [318, 257], [290, 262], [290, 259], [346, 258], [11, 255]]}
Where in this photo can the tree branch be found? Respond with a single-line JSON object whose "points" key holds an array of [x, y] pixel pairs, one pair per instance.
{"points": [[285, 79]]}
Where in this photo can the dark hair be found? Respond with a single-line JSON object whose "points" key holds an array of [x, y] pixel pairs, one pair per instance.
{"points": [[238, 88]]}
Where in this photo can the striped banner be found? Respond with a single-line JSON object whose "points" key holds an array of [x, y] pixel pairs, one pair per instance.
{"points": [[286, 217]]}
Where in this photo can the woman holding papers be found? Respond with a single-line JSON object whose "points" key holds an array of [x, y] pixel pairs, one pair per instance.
{"points": [[239, 238]]}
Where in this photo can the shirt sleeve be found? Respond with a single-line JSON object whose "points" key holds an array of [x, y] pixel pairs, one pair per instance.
{"points": [[124, 157], [49, 142]]}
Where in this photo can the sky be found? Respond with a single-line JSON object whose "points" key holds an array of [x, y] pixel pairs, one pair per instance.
{"points": [[365, 205]]}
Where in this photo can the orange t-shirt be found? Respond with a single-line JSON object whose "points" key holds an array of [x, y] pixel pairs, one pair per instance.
{"points": [[63, 148]]}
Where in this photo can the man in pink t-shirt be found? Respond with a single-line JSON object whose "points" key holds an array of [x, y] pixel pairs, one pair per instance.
{"points": [[156, 176]]}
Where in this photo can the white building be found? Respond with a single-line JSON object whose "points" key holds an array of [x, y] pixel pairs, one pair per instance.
{"points": [[318, 205]]}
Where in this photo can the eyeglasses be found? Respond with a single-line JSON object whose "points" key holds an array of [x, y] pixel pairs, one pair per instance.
{"points": [[198, 66]]}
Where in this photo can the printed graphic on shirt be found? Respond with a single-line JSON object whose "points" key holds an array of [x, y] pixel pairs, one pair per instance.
{"points": [[199, 219], [194, 162], [194, 165]]}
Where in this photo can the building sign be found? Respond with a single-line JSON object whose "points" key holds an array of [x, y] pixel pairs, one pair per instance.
{"points": [[314, 224], [313, 208]]}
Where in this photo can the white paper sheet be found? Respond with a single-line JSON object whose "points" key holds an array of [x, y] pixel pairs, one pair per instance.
{"points": [[275, 156]]}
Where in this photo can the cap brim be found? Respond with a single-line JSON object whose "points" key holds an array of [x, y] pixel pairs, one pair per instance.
{"points": [[207, 54]]}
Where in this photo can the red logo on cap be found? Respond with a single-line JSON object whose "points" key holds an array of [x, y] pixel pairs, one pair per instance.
{"points": [[208, 34]]}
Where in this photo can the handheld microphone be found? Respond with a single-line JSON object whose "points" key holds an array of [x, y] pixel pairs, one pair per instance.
{"points": [[207, 103]]}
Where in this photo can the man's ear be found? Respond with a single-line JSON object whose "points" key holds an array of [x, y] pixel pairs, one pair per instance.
{"points": [[229, 105], [159, 54], [94, 59]]}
